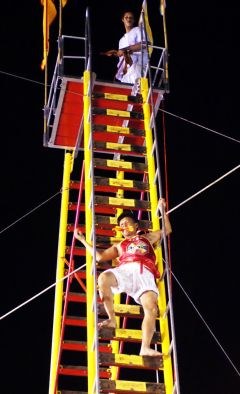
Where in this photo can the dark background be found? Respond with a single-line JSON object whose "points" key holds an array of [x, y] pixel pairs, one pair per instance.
{"points": [[205, 240]]}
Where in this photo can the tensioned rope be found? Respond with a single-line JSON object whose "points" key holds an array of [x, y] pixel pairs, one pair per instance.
{"points": [[205, 188], [199, 125], [160, 109], [31, 211], [205, 323], [171, 210], [41, 292]]}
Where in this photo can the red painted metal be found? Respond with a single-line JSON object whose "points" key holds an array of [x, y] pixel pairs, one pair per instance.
{"points": [[82, 372], [71, 112]]}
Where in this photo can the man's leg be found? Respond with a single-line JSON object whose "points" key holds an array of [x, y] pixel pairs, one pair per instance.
{"points": [[149, 303], [106, 280]]}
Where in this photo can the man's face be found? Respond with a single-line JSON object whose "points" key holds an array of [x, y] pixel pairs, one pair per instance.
{"points": [[128, 20], [128, 226]]}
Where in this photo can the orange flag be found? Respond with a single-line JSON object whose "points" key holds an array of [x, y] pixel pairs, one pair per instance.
{"points": [[49, 14]]}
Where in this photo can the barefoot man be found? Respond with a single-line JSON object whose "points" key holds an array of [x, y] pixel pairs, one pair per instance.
{"points": [[134, 275]]}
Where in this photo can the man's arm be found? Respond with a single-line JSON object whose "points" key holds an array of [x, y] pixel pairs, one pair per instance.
{"points": [[133, 48], [155, 236], [108, 254]]}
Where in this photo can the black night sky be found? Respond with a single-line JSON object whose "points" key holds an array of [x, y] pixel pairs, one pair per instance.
{"points": [[205, 239]]}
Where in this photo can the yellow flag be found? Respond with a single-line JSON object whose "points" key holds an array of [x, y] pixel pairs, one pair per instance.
{"points": [[162, 6], [147, 25]]}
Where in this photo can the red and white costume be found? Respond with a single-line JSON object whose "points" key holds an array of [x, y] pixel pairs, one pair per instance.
{"points": [[136, 271], [138, 249]]}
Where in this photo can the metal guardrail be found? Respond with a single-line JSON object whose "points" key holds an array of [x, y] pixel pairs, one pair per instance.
{"points": [[158, 182]]}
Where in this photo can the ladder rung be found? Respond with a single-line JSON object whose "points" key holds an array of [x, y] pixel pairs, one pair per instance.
{"points": [[118, 97], [78, 251], [117, 112], [98, 231], [125, 334], [119, 164], [76, 321], [119, 130], [115, 184], [124, 310], [75, 370], [72, 206], [116, 147], [125, 386], [79, 297], [81, 346], [122, 202], [131, 361]]}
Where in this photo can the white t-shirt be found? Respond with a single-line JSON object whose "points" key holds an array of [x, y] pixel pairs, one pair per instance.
{"points": [[133, 71]]}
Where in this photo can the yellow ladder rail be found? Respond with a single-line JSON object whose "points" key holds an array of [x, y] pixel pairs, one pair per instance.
{"points": [[57, 319], [164, 329], [92, 370]]}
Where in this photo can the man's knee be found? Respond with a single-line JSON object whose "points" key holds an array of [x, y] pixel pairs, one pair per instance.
{"points": [[106, 279], [149, 303]]}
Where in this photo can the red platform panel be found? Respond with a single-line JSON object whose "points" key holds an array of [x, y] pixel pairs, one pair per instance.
{"points": [[68, 122]]}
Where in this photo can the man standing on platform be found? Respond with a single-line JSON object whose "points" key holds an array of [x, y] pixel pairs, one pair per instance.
{"points": [[130, 55]]}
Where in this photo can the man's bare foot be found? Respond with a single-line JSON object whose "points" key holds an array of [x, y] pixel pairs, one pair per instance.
{"points": [[150, 352], [107, 323]]}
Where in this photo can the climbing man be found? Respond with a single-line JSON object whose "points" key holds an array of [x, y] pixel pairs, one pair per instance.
{"points": [[134, 275]]}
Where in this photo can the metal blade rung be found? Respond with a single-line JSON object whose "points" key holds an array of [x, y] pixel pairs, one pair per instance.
{"points": [[119, 164], [117, 112], [119, 130], [122, 202], [122, 386], [114, 146], [121, 334], [118, 97], [131, 361]]}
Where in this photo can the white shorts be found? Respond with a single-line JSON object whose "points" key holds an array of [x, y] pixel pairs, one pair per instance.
{"points": [[131, 281]]}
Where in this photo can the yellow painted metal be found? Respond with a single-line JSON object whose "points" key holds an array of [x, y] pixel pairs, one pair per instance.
{"points": [[120, 183], [88, 226], [129, 359], [57, 319], [113, 220], [114, 145], [128, 333], [125, 202], [117, 297], [111, 96], [118, 112], [119, 164], [130, 386], [127, 309], [118, 129], [164, 329]]}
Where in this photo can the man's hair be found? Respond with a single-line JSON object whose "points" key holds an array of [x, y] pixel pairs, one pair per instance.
{"points": [[126, 12], [127, 214]]}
